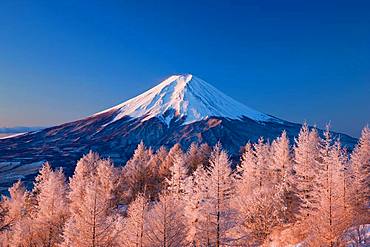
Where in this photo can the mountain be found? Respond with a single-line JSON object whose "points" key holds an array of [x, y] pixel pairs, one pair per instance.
{"points": [[182, 109], [184, 97]]}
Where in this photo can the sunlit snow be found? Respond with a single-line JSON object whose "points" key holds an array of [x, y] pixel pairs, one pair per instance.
{"points": [[189, 97]]}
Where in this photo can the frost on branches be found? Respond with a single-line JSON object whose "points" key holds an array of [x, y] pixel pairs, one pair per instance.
{"points": [[311, 192]]}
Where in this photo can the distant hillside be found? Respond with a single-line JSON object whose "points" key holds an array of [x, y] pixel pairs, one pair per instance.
{"points": [[18, 129]]}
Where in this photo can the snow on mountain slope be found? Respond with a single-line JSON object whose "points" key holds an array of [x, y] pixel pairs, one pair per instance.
{"points": [[9, 135], [188, 97]]}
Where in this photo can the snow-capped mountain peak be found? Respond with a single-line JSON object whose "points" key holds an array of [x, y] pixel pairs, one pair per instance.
{"points": [[187, 97]]}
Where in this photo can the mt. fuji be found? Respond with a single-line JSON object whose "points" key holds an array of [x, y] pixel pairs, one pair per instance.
{"points": [[186, 97], [181, 109]]}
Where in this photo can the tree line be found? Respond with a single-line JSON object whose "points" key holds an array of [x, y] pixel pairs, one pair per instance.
{"points": [[311, 192]]}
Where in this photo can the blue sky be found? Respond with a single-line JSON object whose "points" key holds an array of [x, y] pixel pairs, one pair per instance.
{"points": [[298, 60]]}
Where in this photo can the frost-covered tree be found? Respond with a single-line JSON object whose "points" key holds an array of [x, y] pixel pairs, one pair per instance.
{"points": [[167, 224], [52, 208], [345, 180], [263, 163], [312, 194], [43, 175], [193, 158], [246, 171], [137, 171], [177, 182], [283, 178], [93, 215], [197, 155], [23, 233], [282, 165], [195, 191], [164, 169], [260, 209], [12, 210], [306, 152], [84, 171], [161, 154], [133, 229], [215, 214], [257, 213], [154, 181], [323, 161], [3, 213], [360, 185], [205, 150], [357, 236], [18, 220], [330, 219], [16, 203]]}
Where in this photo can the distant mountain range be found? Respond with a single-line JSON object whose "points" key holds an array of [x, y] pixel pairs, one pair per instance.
{"points": [[19, 129], [181, 109]]}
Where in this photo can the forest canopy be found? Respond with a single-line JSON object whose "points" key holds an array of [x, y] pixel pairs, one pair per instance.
{"points": [[311, 192]]}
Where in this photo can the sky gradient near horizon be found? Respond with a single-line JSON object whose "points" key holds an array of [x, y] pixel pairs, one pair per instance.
{"points": [[297, 60]]}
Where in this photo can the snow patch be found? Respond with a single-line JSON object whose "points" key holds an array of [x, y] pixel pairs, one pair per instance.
{"points": [[11, 136]]}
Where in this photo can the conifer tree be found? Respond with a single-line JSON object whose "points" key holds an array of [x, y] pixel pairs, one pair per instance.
{"points": [[306, 167], [257, 210], [3, 213], [93, 214], [84, 171], [137, 171], [134, 229], [215, 211], [282, 161], [52, 208], [164, 170], [246, 171], [205, 150], [167, 224], [193, 158], [154, 181], [257, 213], [330, 219], [43, 175], [196, 190], [18, 218], [346, 180], [263, 163], [177, 182], [283, 178], [360, 185], [197, 155], [14, 206]]}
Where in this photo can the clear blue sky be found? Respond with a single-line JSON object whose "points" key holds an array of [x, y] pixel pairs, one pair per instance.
{"points": [[298, 60]]}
